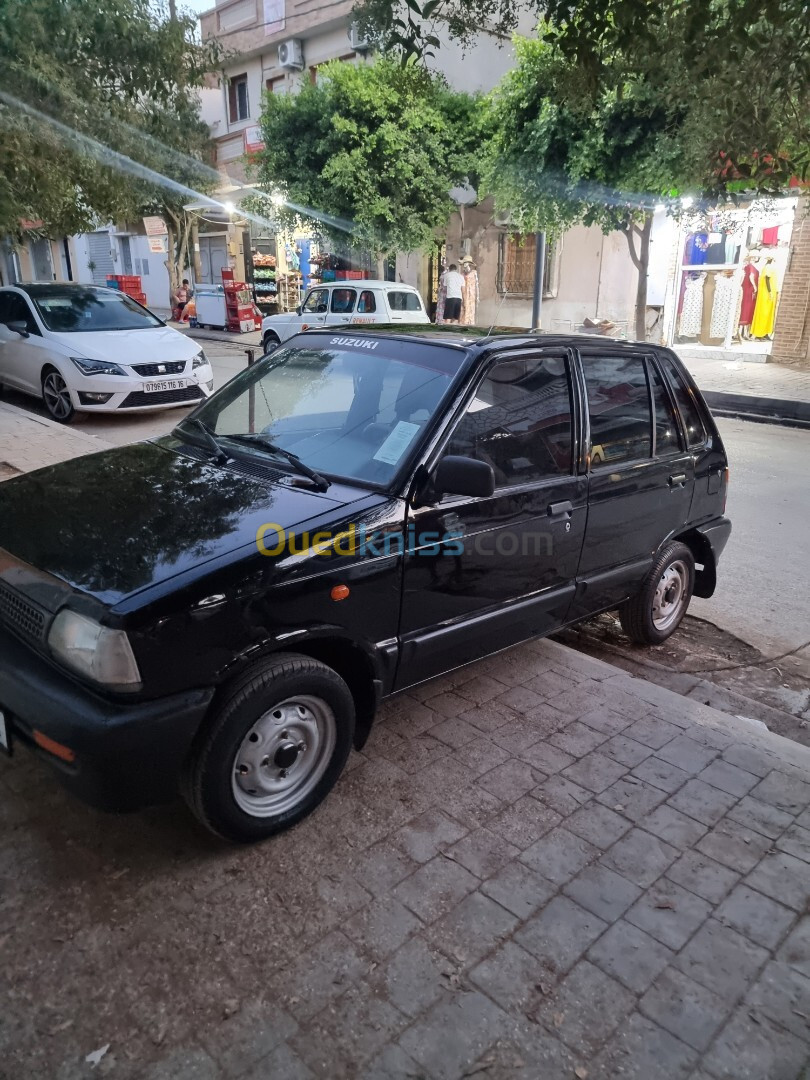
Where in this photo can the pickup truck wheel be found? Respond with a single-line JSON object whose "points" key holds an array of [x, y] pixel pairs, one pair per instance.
{"points": [[655, 612], [273, 749], [270, 343]]}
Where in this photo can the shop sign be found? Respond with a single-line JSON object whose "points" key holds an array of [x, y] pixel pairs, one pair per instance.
{"points": [[155, 226], [158, 245]]}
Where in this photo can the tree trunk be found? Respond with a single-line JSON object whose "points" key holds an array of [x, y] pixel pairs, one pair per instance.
{"points": [[195, 250], [641, 260], [171, 260]]}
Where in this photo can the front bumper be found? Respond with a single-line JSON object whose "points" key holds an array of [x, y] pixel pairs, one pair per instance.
{"points": [[128, 754], [126, 393]]}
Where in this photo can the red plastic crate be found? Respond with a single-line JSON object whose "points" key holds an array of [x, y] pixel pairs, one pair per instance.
{"points": [[351, 275]]}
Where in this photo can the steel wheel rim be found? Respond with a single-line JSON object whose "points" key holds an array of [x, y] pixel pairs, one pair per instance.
{"points": [[670, 595], [57, 396], [283, 756]]}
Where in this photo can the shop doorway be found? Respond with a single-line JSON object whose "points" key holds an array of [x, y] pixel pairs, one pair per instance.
{"points": [[213, 258]]}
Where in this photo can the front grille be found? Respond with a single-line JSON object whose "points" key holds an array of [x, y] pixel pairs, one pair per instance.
{"points": [[160, 369], [20, 614], [138, 398]]}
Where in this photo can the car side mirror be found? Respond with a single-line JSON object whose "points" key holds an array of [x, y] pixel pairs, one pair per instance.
{"points": [[19, 327], [299, 309], [456, 475]]}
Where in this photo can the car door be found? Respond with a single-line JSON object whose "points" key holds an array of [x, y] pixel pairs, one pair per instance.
{"points": [[481, 574], [641, 476], [313, 312], [20, 357], [342, 303]]}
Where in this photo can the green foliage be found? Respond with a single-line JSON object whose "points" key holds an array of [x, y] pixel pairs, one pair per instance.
{"points": [[81, 80], [376, 145]]}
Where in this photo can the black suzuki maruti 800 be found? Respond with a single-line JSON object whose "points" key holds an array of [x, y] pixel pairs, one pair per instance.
{"points": [[221, 610]]}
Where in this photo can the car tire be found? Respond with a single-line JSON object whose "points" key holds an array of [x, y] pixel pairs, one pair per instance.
{"points": [[272, 750], [656, 611], [270, 343], [56, 397]]}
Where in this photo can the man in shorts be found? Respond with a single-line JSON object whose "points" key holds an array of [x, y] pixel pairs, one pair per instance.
{"points": [[453, 285]]}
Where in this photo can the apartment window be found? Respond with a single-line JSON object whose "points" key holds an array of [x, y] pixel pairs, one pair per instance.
{"points": [[238, 108], [516, 255], [277, 85]]}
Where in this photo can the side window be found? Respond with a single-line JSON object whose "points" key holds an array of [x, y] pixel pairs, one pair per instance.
{"points": [[619, 409], [666, 424], [343, 301], [695, 432], [404, 301], [519, 422], [367, 303], [14, 309], [316, 302]]}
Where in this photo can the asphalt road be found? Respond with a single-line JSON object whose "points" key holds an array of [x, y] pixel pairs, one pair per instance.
{"points": [[762, 590]]}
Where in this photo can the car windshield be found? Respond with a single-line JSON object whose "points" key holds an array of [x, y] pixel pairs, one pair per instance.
{"points": [[350, 408], [88, 309]]}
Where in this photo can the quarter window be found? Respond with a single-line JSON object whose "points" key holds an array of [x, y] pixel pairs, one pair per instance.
{"points": [[316, 302], [367, 303], [343, 301], [695, 432], [619, 409], [519, 421], [403, 301], [666, 424]]}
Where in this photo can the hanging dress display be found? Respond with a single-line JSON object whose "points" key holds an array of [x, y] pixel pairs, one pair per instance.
{"points": [[469, 298], [695, 251], [749, 293], [692, 310], [725, 296], [765, 310]]}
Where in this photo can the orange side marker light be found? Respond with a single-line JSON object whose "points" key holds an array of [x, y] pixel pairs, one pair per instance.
{"points": [[339, 592]]}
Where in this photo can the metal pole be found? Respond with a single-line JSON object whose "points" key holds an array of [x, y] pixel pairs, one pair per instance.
{"points": [[539, 272], [251, 359]]}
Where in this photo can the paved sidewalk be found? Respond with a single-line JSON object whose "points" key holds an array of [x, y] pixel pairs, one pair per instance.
{"points": [[539, 868], [28, 441]]}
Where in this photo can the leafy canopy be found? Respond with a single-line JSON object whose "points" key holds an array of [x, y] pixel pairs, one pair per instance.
{"points": [[378, 146]]}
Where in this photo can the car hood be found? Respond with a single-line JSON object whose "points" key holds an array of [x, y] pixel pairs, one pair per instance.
{"points": [[158, 344], [118, 522]]}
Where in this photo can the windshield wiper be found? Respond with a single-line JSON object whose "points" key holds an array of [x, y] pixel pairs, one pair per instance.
{"points": [[210, 438], [266, 443]]}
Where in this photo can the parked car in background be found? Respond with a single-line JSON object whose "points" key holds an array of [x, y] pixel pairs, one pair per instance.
{"points": [[222, 609], [82, 348], [339, 302]]}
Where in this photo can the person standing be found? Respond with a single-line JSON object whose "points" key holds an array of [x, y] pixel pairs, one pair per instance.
{"points": [[454, 289]]}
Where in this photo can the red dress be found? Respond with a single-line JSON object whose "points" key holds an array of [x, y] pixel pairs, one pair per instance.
{"points": [[749, 293]]}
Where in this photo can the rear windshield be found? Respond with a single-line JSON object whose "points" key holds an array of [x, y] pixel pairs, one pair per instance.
{"points": [[89, 310], [403, 301]]}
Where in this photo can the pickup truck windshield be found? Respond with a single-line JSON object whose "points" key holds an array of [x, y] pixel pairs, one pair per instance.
{"points": [[352, 408]]}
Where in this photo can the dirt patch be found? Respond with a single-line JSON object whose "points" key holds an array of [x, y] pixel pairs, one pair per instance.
{"points": [[699, 656]]}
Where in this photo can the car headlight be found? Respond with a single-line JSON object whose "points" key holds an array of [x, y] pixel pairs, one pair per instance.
{"points": [[96, 367], [95, 651], [200, 360]]}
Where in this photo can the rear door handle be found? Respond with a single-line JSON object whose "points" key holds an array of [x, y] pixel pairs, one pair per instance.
{"points": [[559, 508], [677, 480]]}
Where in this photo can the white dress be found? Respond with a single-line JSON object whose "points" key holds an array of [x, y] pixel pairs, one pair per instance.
{"points": [[692, 310], [725, 294]]}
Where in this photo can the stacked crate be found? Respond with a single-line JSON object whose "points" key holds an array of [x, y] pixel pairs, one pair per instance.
{"points": [[129, 284], [240, 311]]}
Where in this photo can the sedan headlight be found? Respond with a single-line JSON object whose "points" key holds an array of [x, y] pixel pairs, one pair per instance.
{"points": [[95, 651], [96, 367], [200, 360]]}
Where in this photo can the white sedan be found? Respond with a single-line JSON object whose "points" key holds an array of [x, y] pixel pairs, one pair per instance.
{"points": [[86, 349]]}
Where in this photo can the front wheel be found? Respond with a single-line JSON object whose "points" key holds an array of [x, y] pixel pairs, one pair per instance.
{"points": [[270, 343], [273, 749], [56, 396], [655, 612]]}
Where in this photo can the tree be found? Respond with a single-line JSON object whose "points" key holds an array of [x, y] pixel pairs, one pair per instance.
{"points": [[98, 113], [370, 153]]}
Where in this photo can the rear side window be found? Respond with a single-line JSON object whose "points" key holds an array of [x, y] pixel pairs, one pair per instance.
{"points": [[519, 421], [667, 440], [403, 301], [366, 304], [619, 409], [695, 431]]}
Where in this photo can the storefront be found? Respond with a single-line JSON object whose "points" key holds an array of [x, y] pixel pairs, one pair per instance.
{"points": [[728, 273]]}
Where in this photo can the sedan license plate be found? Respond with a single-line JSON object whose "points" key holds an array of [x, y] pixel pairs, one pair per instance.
{"points": [[5, 735], [165, 384]]}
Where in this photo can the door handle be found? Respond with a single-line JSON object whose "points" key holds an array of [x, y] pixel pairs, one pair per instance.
{"points": [[559, 508], [677, 480]]}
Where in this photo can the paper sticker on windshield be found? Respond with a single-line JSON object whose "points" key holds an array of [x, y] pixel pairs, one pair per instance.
{"points": [[397, 443]]}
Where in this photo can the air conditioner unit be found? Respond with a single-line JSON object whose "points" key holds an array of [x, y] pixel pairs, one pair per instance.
{"points": [[291, 54], [502, 218], [356, 39]]}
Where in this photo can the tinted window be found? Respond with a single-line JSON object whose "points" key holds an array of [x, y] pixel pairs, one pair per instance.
{"points": [[315, 303], [403, 301], [519, 422], [695, 432], [14, 309], [619, 408], [367, 303], [666, 425], [343, 301], [88, 310]]}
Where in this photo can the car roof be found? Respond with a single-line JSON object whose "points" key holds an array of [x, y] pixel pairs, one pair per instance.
{"points": [[364, 283], [468, 337]]}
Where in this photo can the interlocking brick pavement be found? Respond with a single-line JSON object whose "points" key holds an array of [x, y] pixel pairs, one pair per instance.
{"points": [[538, 868]]}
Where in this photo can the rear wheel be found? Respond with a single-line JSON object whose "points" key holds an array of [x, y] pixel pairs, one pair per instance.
{"points": [[655, 612], [273, 750], [270, 342], [56, 397]]}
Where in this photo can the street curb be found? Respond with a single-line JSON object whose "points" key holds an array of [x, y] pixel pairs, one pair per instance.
{"points": [[66, 430], [759, 409]]}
